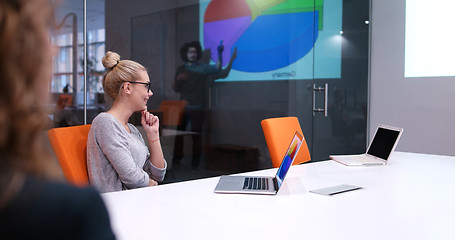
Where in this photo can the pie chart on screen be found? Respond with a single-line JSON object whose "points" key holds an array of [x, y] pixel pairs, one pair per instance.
{"points": [[268, 34]]}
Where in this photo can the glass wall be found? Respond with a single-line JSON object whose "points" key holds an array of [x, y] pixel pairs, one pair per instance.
{"points": [[68, 83], [258, 59]]}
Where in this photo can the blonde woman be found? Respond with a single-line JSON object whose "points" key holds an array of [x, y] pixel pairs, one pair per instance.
{"points": [[34, 202], [117, 155]]}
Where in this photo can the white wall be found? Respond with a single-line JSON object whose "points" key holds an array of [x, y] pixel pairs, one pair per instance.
{"points": [[424, 107]]}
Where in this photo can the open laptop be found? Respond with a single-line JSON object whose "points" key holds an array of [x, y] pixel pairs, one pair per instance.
{"points": [[262, 185], [381, 147]]}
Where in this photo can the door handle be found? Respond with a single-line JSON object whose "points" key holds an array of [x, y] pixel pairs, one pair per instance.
{"points": [[326, 99]]}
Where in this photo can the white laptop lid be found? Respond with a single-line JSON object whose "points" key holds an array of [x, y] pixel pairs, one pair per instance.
{"points": [[384, 141]]}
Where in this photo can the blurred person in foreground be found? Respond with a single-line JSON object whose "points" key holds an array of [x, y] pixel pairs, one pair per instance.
{"points": [[34, 203]]}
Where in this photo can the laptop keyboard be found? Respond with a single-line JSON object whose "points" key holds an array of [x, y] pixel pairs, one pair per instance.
{"points": [[360, 159], [367, 160], [256, 183]]}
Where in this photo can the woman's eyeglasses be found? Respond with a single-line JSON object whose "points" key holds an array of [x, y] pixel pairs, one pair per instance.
{"points": [[147, 85]]}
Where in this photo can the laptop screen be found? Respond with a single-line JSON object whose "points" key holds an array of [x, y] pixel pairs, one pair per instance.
{"points": [[289, 157], [384, 142]]}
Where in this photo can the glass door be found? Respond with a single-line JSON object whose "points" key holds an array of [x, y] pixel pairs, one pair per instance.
{"points": [[340, 84]]}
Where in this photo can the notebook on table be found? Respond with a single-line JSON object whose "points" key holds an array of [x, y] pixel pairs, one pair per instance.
{"points": [[381, 147], [262, 184]]}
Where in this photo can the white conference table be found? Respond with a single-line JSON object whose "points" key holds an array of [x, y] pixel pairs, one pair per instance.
{"points": [[413, 197]]}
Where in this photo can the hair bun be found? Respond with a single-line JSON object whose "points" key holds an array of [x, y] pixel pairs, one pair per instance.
{"points": [[111, 59]]}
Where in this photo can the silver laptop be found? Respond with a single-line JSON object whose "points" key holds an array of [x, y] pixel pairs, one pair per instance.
{"points": [[381, 147], [262, 185]]}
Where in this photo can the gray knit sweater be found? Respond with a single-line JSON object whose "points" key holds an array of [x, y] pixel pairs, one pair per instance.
{"points": [[118, 160]]}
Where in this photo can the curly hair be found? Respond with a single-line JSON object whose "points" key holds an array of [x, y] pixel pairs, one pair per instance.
{"points": [[26, 67], [186, 46]]}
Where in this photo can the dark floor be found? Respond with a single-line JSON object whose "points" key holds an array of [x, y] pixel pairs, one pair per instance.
{"points": [[216, 160], [186, 172]]}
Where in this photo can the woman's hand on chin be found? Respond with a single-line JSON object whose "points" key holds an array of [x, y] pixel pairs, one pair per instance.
{"points": [[151, 124]]}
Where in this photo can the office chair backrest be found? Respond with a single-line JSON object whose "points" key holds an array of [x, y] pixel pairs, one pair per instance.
{"points": [[70, 147], [64, 100], [172, 112], [278, 133]]}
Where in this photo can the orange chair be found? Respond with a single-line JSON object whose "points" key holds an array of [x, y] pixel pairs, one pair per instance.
{"points": [[70, 147], [278, 133], [172, 112], [64, 100]]}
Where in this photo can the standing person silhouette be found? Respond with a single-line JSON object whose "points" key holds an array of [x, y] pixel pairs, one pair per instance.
{"points": [[34, 203], [192, 80]]}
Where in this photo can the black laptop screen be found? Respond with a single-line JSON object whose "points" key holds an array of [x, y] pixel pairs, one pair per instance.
{"points": [[383, 142]]}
